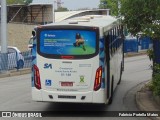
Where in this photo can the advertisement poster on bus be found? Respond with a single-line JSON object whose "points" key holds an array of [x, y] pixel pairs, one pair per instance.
{"points": [[68, 42]]}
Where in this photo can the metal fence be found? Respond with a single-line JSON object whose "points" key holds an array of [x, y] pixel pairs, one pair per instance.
{"points": [[137, 45], [156, 51], [130, 45], [11, 61]]}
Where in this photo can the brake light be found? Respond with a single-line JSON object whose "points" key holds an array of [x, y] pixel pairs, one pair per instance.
{"points": [[98, 79], [67, 57], [37, 81]]}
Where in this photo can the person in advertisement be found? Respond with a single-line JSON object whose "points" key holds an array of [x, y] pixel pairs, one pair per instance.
{"points": [[79, 41]]}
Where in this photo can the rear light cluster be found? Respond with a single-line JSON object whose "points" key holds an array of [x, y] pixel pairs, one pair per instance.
{"points": [[67, 57], [37, 81], [98, 79]]}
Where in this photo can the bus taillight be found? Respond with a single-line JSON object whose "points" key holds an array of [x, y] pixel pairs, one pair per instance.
{"points": [[67, 57], [37, 81], [98, 79]]}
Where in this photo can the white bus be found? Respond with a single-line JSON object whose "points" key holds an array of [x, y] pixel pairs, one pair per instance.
{"points": [[78, 60]]}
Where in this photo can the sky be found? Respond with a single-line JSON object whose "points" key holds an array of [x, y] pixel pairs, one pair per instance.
{"points": [[74, 4]]}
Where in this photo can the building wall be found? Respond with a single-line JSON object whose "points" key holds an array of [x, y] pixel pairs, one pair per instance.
{"points": [[19, 35], [40, 14]]}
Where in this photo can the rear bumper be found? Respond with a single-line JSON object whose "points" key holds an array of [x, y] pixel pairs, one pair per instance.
{"points": [[71, 97]]}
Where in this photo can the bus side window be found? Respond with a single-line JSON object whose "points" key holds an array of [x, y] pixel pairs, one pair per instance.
{"points": [[116, 34], [107, 45], [110, 43], [118, 41], [114, 41]]}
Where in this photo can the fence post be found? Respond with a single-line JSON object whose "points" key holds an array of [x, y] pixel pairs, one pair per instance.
{"points": [[156, 49], [4, 62], [17, 61]]}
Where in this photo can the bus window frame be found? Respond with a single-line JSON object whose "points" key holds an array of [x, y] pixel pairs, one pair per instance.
{"points": [[54, 56]]}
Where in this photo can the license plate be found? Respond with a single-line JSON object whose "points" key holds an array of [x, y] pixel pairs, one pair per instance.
{"points": [[67, 84]]}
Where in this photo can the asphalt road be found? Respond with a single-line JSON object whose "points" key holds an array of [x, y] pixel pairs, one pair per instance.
{"points": [[15, 94]]}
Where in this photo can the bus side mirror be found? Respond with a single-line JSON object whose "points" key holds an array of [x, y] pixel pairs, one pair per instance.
{"points": [[33, 33]]}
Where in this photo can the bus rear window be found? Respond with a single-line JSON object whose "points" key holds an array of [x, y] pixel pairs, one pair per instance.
{"points": [[67, 42]]}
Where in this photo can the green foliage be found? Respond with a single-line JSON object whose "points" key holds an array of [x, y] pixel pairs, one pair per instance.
{"points": [[103, 4], [156, 80], [61, 9], [150, 85], [26, 2], [110, 4], [157, 68], [9, 2], [150, 54], [142, 16]]}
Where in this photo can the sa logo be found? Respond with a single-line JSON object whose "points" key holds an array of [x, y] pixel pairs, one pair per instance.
{"points": [[47, 66]]}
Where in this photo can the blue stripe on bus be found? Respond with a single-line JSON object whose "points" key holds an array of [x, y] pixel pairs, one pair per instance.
{"points": [[34, 62], [102, 60]]}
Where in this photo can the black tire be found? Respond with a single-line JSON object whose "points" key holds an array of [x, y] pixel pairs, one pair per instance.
{"points": [[20, 64], [111, 98]]}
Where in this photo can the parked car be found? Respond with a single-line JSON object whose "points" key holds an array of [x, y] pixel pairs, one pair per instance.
{"points": [[15, 58], [27, 55]]}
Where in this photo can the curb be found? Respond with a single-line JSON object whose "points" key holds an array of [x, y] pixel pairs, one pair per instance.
{"points": [[145, 102], [157, 99], [15, 72], [135, 54]]}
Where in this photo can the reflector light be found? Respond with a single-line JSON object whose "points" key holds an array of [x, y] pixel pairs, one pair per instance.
{"points": [[98, 79], [67, 57], [37, 81]]}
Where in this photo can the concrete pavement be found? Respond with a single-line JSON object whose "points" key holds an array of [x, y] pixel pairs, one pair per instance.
{"points": [[15, 72], [146, 101]]}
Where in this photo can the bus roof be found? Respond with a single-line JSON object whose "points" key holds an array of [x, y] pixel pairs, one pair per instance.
{"points": [[101, 21]]}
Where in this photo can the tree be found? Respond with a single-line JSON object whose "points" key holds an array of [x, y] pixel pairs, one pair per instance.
{"points": [[61, 9], [144, 16], [110, 4], [103, 4], [26, 2]]}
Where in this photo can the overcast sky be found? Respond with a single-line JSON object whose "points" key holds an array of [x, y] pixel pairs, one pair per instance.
{"points": [[73, 4]]}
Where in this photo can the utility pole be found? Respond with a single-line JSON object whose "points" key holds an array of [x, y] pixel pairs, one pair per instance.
{"points": [[4, 56], [59, 4], [54, 11]]}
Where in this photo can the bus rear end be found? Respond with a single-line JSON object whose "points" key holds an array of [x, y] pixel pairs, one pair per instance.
{"points": [[66, 65]]}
